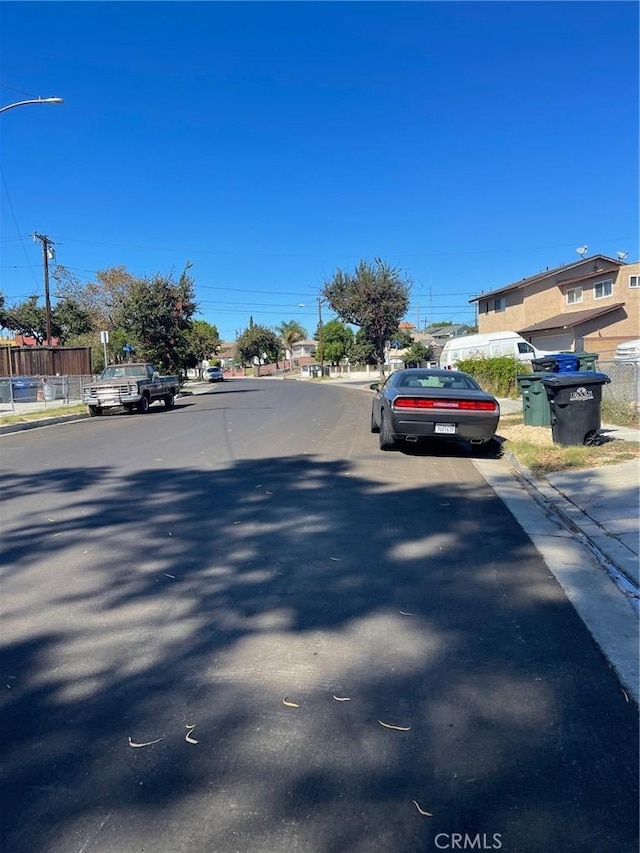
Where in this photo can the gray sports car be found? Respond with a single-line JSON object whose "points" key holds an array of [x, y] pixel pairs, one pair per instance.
{"points": [[443, 404]]}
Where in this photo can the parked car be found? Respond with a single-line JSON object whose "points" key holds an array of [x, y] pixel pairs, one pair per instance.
{"points": [[213, 374], [418, 403], [628, 351]]}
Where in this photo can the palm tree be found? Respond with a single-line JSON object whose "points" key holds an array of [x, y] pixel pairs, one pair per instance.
{"points": [[291, 333]]}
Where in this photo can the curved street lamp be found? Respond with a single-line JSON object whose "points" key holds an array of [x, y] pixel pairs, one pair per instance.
{"points": [[32, 101]]}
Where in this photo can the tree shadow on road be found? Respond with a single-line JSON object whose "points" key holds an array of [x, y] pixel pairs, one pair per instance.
{"points": [[288, 609]]}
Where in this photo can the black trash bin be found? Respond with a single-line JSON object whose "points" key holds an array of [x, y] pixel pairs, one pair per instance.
{"points": [[575, 401], [548, 364]]}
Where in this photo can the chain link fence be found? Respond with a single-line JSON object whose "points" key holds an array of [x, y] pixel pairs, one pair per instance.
{"points": [[42, 390], [622, 393]]}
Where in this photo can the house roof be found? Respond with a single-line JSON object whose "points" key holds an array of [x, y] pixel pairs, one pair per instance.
{"points": [[447, 331], [569, 319], [612, 265]]}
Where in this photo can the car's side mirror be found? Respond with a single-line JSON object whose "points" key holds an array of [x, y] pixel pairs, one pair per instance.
{"points": [[375, 386]]}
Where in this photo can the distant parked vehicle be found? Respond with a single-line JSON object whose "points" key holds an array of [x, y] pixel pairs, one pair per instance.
{"points": [[488, 345], [628, 351], [133, 386], [213, 374], [417, 403]]}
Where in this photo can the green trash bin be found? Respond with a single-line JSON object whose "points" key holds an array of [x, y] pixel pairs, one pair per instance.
{"points": [[587, 362], [535, 403]]}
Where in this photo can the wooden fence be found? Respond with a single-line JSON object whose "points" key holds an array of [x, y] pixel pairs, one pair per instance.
{"points": [[45, 361]]}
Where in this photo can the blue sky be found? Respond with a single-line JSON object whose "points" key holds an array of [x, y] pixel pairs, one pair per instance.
{"points": [[469, 144]]}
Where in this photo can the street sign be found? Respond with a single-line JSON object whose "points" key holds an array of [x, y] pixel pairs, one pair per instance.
{"points": [[104, 337]]}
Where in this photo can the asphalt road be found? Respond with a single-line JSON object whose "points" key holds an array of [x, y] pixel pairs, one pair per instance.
{"points": [[320, 642]]}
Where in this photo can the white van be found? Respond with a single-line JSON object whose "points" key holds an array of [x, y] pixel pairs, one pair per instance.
{"points": [[629, 351], [489, 345]]}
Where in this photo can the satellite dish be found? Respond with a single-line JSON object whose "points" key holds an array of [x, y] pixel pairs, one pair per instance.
{"points": [[582, 250], [622, 255]]}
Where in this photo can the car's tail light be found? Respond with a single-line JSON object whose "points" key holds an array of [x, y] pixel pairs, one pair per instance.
{"points": [[440, 403]]}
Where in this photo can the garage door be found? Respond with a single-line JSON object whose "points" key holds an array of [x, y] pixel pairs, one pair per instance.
{"points": [[553, 343]]}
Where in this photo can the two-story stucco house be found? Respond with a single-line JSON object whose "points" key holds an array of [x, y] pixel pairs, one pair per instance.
{"points": [[590, 305]]}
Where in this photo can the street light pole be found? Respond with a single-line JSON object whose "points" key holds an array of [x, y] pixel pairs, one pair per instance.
{"points": [[32, 101], [46, 242]]}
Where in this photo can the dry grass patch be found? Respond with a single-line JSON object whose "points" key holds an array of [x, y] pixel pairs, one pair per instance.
{"points": [[533, 446], [53, 412]]}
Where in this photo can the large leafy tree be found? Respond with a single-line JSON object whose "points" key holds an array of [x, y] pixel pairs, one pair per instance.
{"points": [[103, 299], [418, 353], [401, 339], [157, 314], [361, 350], [337, 339], [256, 343], [204, 341], [291, 332], [28, 318], [69, 320], [375, 297]]}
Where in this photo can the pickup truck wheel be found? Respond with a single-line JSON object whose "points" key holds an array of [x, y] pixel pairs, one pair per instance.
{"points": [[143, 405], [168, 400], [95, 411], [129, 407]]}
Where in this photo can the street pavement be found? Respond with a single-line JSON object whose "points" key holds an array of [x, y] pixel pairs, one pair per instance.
{"points": [[602, 504], [597, 508]]}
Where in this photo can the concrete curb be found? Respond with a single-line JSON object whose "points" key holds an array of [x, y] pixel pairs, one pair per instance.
{"points": [[614, 556]]}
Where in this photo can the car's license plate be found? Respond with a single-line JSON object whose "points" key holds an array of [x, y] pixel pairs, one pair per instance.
{"points": [[448, 429]]}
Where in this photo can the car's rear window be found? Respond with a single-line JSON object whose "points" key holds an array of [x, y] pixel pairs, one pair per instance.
{"points": [[459, 383]]}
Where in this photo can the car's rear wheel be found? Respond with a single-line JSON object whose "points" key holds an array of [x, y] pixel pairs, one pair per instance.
{"points": [[488, 448], [386, 439], [374, 426], [168, 401]]}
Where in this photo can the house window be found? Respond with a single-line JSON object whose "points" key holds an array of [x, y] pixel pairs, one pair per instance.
{"points": [[574, 295], [484, 307], [499, 304], [634, 281], [602, 289]]}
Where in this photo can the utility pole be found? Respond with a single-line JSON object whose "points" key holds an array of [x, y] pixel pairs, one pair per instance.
{"points": [[320, 336], [47, 254]]}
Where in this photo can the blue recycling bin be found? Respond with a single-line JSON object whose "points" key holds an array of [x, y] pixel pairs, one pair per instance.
{"points": [[559, 362], [567, 362], [575, 400], [25, 389]]}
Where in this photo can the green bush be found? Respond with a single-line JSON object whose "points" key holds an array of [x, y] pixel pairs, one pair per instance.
{"points": [[498, 375]]}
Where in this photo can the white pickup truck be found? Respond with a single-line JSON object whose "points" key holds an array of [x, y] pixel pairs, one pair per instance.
{"points": [[133, 386]]}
